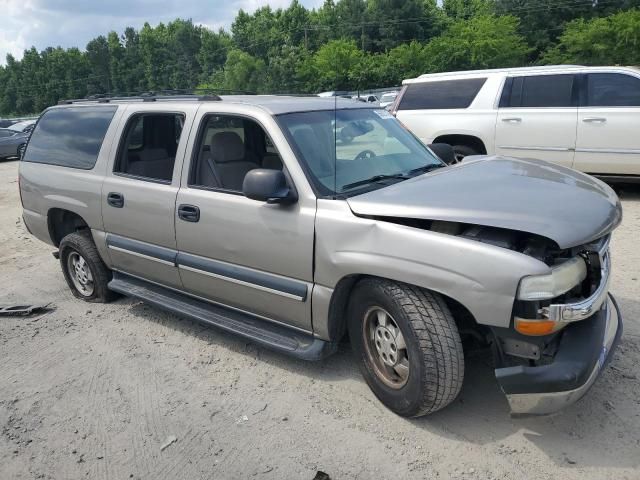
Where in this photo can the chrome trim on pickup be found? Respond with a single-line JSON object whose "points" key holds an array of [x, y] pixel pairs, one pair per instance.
{"points": [[616, 151], [573, 312], [241, 282], [544, 149], [141, 255]]}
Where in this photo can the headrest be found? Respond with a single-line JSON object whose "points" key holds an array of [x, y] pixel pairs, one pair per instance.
{"points": [[227, 147]]}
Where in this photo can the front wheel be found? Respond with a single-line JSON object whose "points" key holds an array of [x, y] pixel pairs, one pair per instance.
{"points": [[83, 269], [408, 346]]}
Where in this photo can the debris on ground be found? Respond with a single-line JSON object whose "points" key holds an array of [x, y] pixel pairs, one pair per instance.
{"points": [[23, 309], [171, 439]]}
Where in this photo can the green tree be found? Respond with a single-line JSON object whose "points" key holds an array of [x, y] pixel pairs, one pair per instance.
{"points": [[602, 41], [99, 63], [242, 72], [404, 61], [467, 9], [334, 66], [283, 72], [486, 41], [213, 52], [393, 22], [542, 21]]}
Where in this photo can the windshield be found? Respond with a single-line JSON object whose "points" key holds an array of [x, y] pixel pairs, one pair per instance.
{"points": [[349, 151]]}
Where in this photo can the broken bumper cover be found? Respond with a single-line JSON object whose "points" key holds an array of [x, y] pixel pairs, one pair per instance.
{"points": [[584, 350]]}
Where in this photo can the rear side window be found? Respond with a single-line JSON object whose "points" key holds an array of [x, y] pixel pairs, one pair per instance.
{"points": [[612, 90], [148, 147], [69, 136], [539, 91], [445, 94]]}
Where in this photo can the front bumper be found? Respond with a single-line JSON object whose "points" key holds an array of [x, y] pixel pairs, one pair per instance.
{"points": [[583, 351]]}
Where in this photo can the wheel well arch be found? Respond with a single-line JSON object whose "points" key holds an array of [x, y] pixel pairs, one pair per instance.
{"points": [[458, 139], [337, 321], [62, 222]]}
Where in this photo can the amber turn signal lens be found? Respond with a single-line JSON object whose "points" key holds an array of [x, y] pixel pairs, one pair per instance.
{"points": [[535, 327]]}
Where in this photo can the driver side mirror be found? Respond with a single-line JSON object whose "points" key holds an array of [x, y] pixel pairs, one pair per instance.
{"points": [[444, 151], [266, 185]]}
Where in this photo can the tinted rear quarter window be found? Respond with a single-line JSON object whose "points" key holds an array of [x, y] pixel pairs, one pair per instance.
{"points": [[613, 90], [69, 136], [540, 91], [444, 94]]}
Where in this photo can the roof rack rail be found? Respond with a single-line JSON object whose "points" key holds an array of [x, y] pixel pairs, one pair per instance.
{"points": [[198, 95], [148, 97]]}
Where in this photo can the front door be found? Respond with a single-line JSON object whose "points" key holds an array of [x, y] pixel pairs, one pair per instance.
{"points": [[139, 194], [609, 125], [537, 118], [238, 252]]}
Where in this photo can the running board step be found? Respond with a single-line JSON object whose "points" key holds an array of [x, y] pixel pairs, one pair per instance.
{"points": [[267, 334]]}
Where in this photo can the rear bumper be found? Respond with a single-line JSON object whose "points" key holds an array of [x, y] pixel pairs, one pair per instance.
{"points": [[584, 350]]}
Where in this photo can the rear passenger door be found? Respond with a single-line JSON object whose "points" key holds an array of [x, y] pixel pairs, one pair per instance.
{"points": [[140, 188], [609, 124], [245, 254], [537, 118]]}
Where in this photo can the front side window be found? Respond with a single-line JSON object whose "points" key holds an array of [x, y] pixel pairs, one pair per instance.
{"points": [[612, 90], [349, 151], [228, 148], [70, 136], [149, 146], [540, 91], [444, 94]]}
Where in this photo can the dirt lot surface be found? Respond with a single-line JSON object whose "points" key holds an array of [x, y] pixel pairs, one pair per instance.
{"points": [[97, 391]]}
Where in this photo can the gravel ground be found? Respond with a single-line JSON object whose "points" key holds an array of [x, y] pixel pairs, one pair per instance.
{"points": [[98, 391]]}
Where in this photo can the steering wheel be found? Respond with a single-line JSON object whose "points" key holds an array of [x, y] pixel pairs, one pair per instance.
{"points": [[365, 154]]}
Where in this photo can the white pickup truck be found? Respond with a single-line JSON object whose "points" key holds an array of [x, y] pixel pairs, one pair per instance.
{"points": [[586, 118]]}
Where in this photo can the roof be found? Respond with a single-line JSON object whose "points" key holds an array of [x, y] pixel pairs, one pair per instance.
{"points": [[537, 69], [274, 104], [277, 104]]}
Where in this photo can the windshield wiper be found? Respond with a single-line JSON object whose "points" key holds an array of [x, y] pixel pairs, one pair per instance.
{"points": [[424, 169], [375, 179]]}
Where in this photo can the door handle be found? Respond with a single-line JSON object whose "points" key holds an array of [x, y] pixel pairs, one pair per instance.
{"points": [[115, 199], [594, 120], [512, 120], [189, 213]]}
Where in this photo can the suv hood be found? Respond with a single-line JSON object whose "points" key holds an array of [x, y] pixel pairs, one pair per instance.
{"points": [[534, 196]]}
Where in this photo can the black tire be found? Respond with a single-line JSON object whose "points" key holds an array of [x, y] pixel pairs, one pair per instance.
{"points": [[461, 151], [81, 243], [433, 346]]}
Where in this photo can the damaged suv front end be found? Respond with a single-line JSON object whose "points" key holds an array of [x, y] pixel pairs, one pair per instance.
{"points": [[518, 248], [565, 326]]}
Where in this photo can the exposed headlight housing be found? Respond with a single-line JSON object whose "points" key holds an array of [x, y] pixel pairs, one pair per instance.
{"points": [[562, 278]]}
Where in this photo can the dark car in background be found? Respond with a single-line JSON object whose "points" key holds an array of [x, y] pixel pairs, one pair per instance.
{"points": [[12, 143], [25, 126]]}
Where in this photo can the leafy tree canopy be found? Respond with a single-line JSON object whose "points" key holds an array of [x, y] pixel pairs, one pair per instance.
{"points": [[343, 44]]}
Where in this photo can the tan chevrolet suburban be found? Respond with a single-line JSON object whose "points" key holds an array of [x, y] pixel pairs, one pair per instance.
{"points": [[255, 215]]}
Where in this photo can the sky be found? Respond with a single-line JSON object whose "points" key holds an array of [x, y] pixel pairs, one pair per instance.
{"points": [[72, 23]]}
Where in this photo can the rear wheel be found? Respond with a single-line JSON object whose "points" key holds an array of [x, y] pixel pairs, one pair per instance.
{"points": [[83, 269], [408, 346]]}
